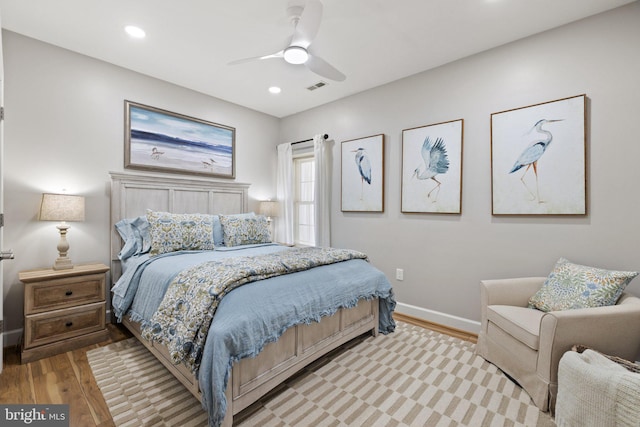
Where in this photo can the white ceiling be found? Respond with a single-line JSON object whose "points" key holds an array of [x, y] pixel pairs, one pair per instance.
{"points": [[373, 42]]}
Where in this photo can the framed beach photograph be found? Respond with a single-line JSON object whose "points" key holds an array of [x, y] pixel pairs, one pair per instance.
{"points": [[538, 159], [363, 174], [162, 141], [432, 168]]}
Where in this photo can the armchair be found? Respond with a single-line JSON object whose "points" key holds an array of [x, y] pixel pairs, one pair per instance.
{"points": [[527, 344]]}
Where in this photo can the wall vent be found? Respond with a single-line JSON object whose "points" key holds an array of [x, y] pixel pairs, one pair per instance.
{"points": [[317, 85]]}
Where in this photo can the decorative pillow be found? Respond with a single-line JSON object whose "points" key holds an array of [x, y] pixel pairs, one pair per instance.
{"points": [[572, 286], [218, 235], [245, 231], [179, 232], [135, 234], [125, 229], [143, 236]]}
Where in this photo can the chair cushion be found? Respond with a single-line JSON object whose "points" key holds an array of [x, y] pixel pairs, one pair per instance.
{"points": [[521, 323], [572, 286]]}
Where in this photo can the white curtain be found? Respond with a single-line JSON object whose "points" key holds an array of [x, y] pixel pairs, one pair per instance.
{"points": [[322, 191], [284, 194]]}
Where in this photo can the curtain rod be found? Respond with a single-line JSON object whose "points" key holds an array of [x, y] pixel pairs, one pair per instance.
{"points": [[325, 136]]}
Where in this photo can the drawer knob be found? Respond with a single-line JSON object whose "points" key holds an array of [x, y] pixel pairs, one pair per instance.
{"points": [[68, 293], [68, 324]]}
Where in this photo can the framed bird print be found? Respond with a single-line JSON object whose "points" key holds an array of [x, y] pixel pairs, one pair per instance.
{"points": [[363, 174], [538, 159], [432, 168], [163, 141]]}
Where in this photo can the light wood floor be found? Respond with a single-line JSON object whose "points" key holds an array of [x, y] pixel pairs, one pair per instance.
{"points": [[62, 379], [67, 379]]}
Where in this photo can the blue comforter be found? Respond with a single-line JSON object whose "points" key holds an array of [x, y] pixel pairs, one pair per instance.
{"points": [[255, 314]]}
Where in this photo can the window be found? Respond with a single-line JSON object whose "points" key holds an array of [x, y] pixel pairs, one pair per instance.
{"points": [[304, 175]]}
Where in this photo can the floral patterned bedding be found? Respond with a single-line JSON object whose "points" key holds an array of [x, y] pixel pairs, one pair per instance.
{"points": [[183, 319], [254, 314]]}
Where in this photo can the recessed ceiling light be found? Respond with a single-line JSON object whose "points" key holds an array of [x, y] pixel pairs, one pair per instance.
{"points": [[134, 31], [275, 89]]}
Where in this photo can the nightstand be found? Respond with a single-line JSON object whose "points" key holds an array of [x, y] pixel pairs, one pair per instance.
{"points": [[63, 309]]}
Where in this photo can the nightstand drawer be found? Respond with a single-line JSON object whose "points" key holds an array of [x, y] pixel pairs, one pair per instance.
{"points": [[66, 292], [57, 325]]}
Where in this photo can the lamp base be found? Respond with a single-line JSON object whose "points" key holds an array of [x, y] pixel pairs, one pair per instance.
{"points": [[62, 263]]}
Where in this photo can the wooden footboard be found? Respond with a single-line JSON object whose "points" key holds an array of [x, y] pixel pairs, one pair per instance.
{"points": [[296, 348]]}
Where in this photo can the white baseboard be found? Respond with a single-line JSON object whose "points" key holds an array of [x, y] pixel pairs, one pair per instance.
{"points": [[439, 318]]}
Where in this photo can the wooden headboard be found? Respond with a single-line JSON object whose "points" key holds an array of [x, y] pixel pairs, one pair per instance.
{"points": [[133, 194]]}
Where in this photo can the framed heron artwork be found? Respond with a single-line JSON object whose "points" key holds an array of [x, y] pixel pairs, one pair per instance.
{"points": [[162, 141], [363, 174], [538, 159], [432, 168]]}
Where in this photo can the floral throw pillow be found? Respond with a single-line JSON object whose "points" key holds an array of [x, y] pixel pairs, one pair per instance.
{"points": [[572, 286], [179, 232], [245, 231]]}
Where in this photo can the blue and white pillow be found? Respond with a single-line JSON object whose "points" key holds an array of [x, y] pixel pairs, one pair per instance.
{"points": [[136, 237], [218, 234], [179, 232], [245, 230], [571, 286]]}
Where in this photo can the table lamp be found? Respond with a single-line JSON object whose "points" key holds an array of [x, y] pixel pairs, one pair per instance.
{"points": [[62, 207], [268, 208]]}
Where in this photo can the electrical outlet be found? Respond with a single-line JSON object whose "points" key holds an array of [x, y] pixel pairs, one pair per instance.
{"points": [[399, 274]]}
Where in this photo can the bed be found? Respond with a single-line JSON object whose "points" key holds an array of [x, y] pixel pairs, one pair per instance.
{"points": [[264, 331]]}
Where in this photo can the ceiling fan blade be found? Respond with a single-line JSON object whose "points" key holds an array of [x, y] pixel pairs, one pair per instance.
{"points": [[324, 69], [308, 25], [257, 58]]}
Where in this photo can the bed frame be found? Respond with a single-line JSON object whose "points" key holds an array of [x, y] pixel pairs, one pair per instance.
{"points": [[132, 194]]}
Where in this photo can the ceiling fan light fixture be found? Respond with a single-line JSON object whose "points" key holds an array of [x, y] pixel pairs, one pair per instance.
{"points": [[296, 55], [306, 22]]}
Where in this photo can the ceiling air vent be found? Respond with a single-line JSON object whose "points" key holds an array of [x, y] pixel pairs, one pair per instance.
{"points": [[317, 85]]}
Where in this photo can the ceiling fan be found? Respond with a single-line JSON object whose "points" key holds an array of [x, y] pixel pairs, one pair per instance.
{"points": [[306, 22]]}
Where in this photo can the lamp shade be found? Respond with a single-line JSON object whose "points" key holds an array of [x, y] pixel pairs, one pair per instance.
{"points": [[269, 208], [61, 207]]}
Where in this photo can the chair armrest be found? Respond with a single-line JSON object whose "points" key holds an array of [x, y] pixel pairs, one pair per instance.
{"points": [[514, 292], [613, 330]]}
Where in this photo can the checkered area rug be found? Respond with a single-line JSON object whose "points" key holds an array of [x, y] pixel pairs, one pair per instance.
{"points": [[140, 391], [413, 377]]}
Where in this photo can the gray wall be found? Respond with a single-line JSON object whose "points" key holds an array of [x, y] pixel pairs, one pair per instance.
{"points": [[445, 256], [64, 129]]}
